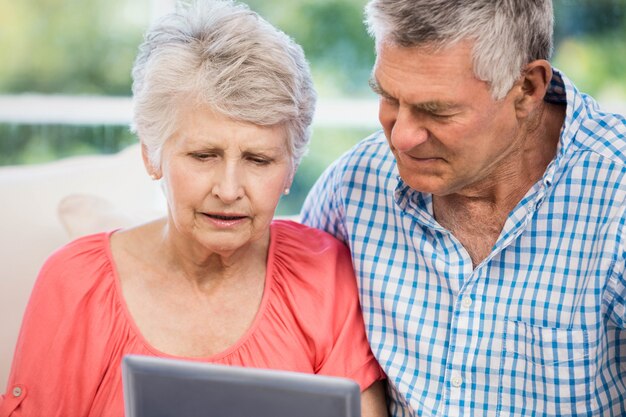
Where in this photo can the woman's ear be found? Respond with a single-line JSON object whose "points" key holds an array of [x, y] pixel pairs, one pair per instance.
{"points": [[289, 180], [154, 173], [533, 85]]}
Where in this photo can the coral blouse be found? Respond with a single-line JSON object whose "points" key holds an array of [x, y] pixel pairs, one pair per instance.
{"points": [[77, 326]]}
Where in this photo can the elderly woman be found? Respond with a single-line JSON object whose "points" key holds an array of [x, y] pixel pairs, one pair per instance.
{"points": [[223, 104]]}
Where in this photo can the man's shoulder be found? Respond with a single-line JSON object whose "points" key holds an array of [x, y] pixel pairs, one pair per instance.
{"points": [[604, 133], [369, 167], [590, 127]]}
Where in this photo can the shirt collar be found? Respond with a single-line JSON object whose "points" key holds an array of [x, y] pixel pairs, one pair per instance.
{"points": [[562, 91]]}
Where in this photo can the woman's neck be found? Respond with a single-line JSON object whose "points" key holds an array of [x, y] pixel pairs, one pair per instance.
{"points": [[186, 257]]}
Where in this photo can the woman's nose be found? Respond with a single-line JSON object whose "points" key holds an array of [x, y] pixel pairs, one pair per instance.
{"points": [[227, 184]]}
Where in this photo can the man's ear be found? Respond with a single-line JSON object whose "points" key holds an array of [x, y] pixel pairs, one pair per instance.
{"points": [[154, 173], [532, 88]]}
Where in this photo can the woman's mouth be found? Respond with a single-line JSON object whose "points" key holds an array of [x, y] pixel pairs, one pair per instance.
{"points": [[224, 216], [223, 220]]}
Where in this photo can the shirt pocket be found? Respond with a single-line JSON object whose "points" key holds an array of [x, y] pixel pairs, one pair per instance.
{"points": [[544, 371]]}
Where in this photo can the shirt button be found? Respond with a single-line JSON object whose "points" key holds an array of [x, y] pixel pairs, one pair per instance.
{"points": [[457, 381], [17, 391], [467, 302]]}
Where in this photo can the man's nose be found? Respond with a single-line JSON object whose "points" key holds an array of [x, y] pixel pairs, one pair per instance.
{"points": [[407, 130]]}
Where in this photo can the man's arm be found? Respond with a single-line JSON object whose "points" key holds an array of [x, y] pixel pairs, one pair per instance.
{"points": [[373, 401]]}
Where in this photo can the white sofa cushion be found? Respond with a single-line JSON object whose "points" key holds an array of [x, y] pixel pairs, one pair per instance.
{"points": [[31, 229], [84, 214]]}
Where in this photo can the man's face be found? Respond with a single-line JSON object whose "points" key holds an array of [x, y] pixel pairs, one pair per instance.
{"points": [[445, 130]]}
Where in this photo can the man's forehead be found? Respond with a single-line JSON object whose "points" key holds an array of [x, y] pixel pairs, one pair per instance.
{"points": [[401, 70], [458, 56]]}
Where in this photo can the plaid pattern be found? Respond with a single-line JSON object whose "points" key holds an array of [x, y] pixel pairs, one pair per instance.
{"points": [[537, 329]]}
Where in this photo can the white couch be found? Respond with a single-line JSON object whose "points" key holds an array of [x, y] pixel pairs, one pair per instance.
{"points": [[44, 206]]}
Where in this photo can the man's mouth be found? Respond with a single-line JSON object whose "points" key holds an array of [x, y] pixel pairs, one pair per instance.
{"points": [[421, 158]]}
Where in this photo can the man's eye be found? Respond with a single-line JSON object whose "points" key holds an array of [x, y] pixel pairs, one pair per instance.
{"points": [[443, 116], [202, 156]]}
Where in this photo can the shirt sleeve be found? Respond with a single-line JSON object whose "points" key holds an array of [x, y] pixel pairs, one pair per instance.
{"points": [[51, 370], [615, 301], [351, 354]]}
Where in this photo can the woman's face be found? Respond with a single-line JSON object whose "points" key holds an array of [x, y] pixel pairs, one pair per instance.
{"points": [[223, 179]]}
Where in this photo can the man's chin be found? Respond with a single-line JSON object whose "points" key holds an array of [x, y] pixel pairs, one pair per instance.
{"points": [[426, 184]]}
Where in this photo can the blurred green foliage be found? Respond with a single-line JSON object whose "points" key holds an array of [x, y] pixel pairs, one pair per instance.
{"points": [[28, 144], [333, 37], [88, 46], [590, 38], [69, 46]]}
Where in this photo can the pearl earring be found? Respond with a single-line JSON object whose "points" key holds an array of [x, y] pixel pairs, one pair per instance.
{"points": [[153, 177], [286, 192]]}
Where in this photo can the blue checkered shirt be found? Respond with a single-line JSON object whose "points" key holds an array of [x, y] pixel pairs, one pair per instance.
{"points": [[537, 328]]}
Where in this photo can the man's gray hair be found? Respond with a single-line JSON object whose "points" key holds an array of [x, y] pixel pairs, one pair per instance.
{"points": [[508, 34], [221, 54]]}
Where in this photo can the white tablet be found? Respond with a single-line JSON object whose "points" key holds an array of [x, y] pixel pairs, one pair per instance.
{"points": [[158, 387]]}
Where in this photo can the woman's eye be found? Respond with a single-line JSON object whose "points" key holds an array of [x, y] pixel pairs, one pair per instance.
{"points": [[259, 161]]}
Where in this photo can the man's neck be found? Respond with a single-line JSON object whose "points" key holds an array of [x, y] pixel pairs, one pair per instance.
{"points": [[477, 214]]}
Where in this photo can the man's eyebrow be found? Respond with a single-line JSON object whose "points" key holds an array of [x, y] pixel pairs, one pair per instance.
{"points": [[436, 106], [376, 88], [429, 106]]}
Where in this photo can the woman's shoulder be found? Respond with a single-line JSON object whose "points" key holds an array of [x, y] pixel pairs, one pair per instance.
{"points": [[80, 250], [305, 239], [78, 263], [314, 282], [311, 254]]}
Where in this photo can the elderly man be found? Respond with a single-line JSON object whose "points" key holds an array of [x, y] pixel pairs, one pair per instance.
{"points": [[487, 221]]}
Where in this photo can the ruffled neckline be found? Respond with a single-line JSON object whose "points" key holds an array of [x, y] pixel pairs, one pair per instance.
{"points": [[243, 340]]}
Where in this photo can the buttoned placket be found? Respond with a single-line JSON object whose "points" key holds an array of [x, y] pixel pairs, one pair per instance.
{"points": [[465, 326]]}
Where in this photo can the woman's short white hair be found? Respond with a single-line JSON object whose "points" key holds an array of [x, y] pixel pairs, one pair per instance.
{"points": [[221, 54], [508, 34]]}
